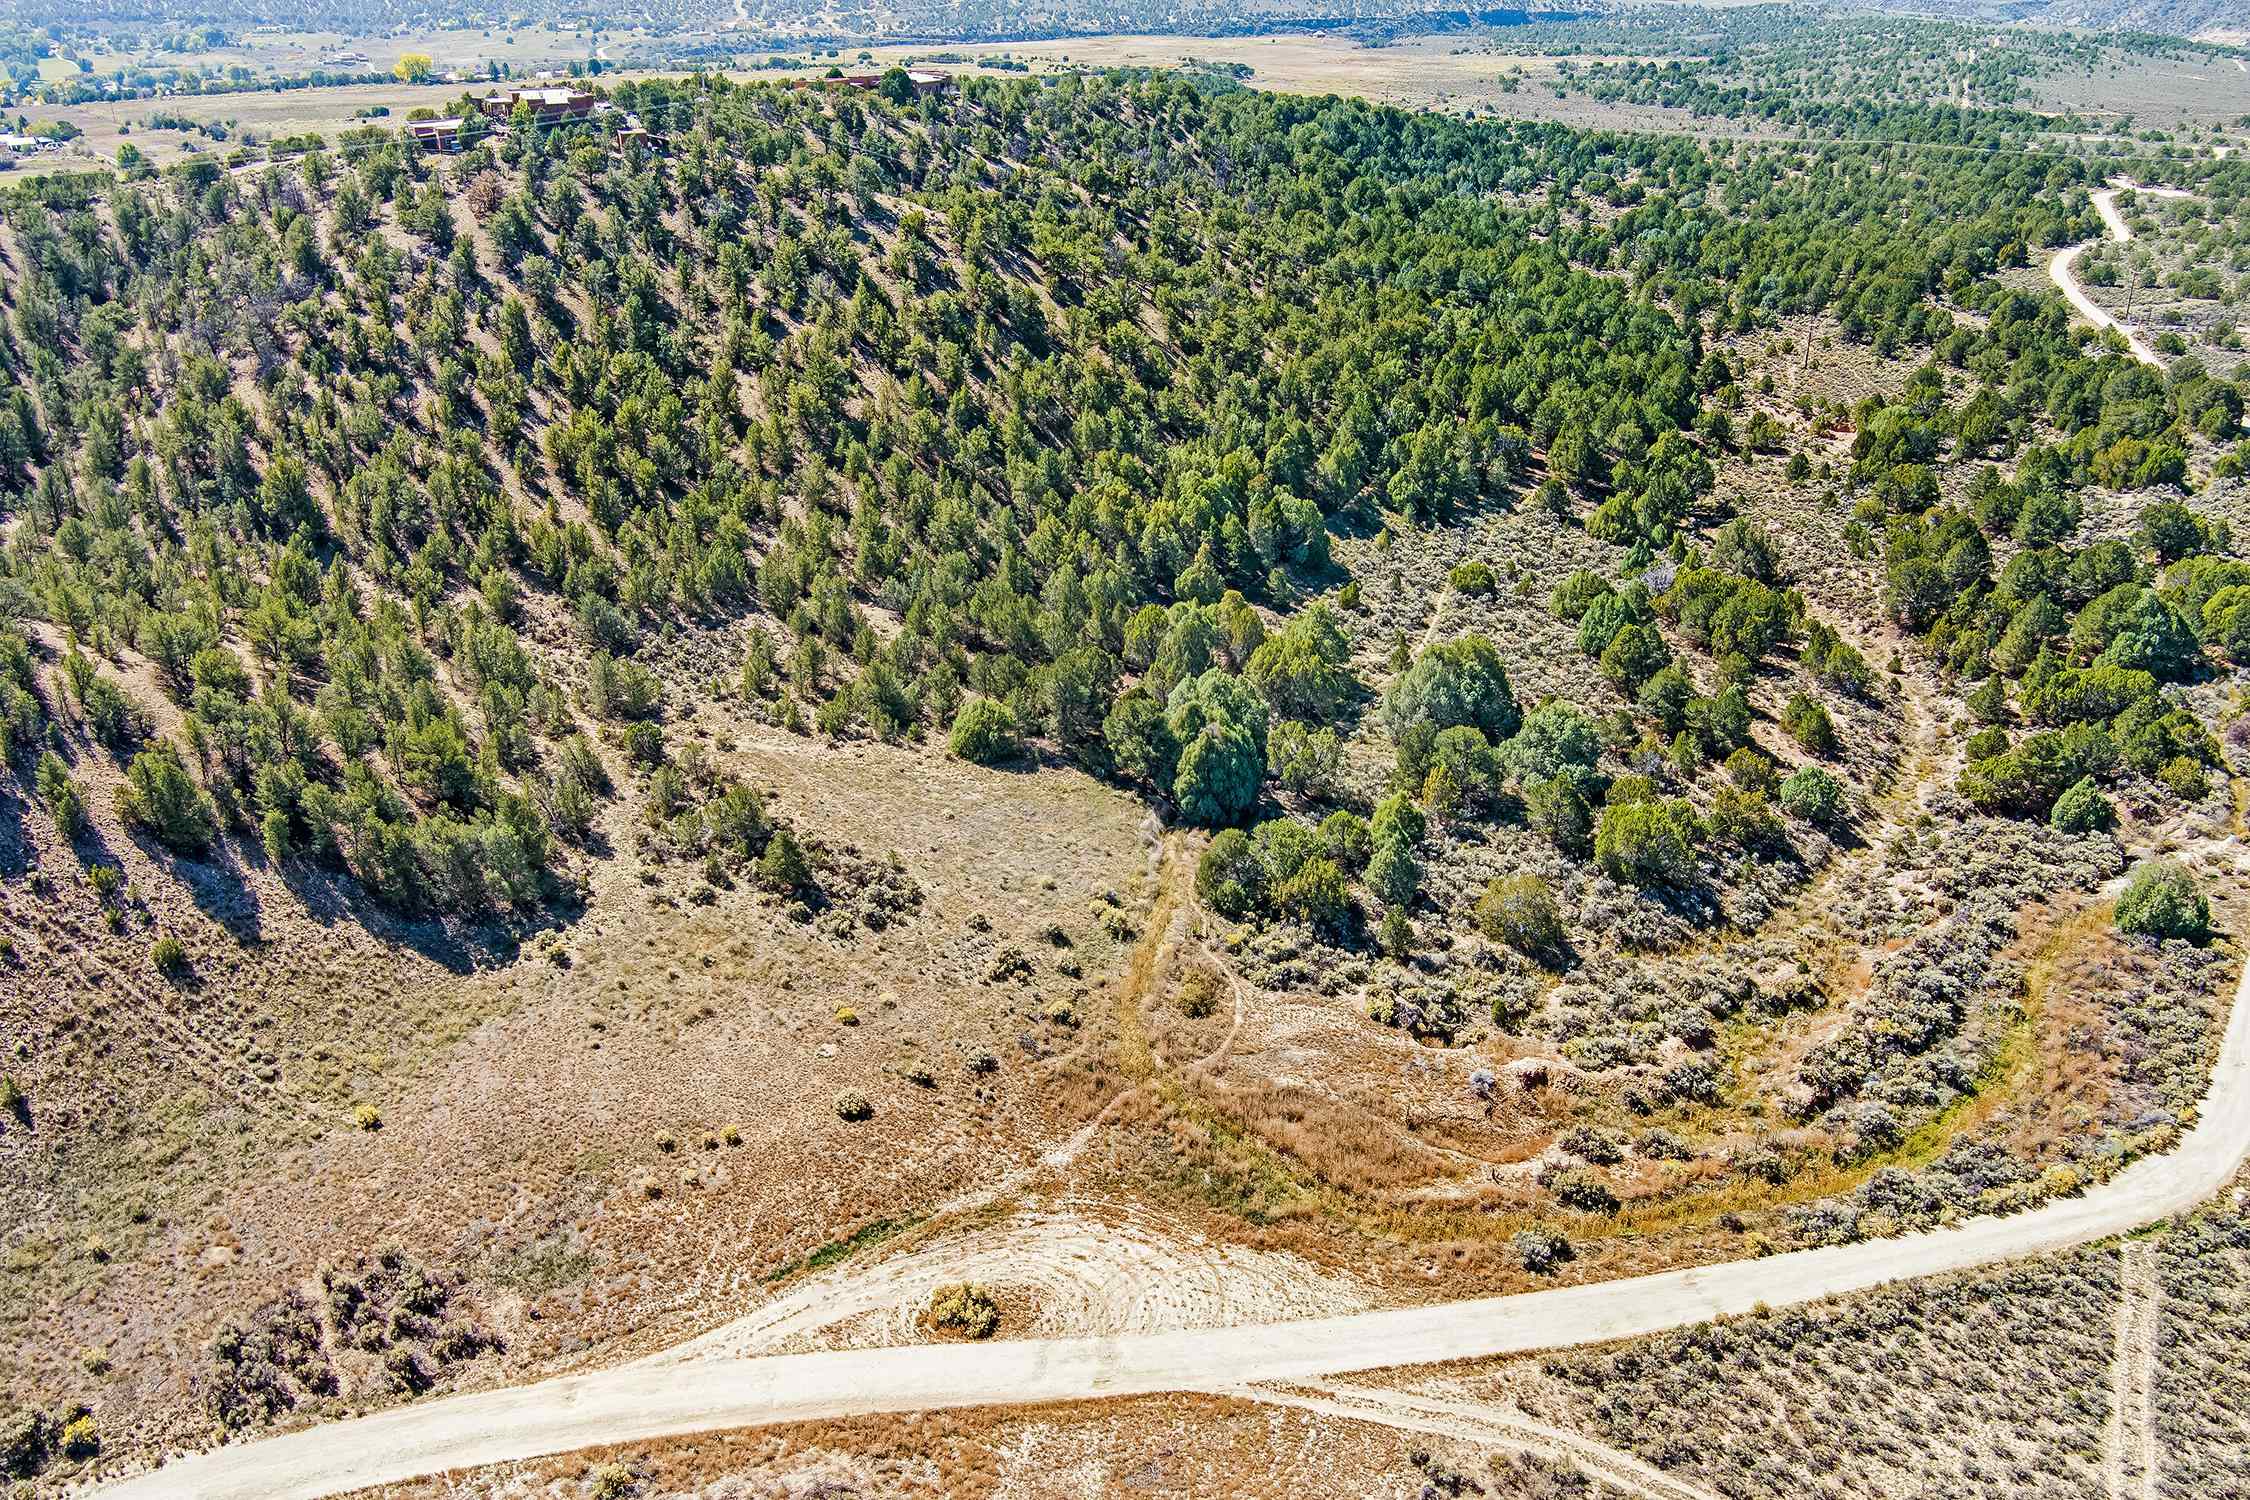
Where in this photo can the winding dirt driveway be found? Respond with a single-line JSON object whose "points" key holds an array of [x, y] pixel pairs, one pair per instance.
{"points": [[640, 1402], [2059, 269]]}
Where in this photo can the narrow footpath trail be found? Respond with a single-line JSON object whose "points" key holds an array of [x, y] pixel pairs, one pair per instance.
{"points": [[2060, 269], [637, 1403]]}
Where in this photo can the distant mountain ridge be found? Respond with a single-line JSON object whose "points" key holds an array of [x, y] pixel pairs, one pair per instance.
{"points": [[2223, 19], [2210, 20]]}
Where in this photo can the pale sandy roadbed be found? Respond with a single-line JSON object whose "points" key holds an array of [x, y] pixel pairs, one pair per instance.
{"points": [[652, 1400], [2059, 269]]}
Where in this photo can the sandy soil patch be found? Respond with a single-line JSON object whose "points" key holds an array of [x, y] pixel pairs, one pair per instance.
{"points": [[1085, 1267]]}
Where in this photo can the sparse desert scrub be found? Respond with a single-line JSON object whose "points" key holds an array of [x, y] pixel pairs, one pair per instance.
{"points": [[1539, 1250], [2201, 1401], [1992, 1383]]}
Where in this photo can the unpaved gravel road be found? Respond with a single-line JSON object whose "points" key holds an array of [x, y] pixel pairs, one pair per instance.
{"points": [[640, 1402], [2059, 269]]}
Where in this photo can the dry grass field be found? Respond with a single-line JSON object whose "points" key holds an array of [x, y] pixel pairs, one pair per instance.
{"points": [[245, 118], [619, 1125], [2164, 93], [1431, 72], [279, 52]]}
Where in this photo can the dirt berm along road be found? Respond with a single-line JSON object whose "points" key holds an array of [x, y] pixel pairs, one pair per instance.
{"points": [[652, 1400]]}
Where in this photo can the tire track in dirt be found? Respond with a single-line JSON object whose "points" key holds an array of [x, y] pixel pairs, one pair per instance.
{"points": [[1148, 961], [1489, 1426], [2129, 1454]]}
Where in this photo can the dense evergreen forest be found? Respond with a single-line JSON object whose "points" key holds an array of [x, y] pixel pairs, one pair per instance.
{"points": [[354, 504]]}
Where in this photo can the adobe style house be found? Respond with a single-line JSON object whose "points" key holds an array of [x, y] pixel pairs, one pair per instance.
{"points": [[436, 135], [925, 82], [548, 106], [634, 138]]}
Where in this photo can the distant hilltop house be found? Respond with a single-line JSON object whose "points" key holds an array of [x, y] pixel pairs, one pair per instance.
{"points": [[24, 145], [925, 81], [634, 137]]}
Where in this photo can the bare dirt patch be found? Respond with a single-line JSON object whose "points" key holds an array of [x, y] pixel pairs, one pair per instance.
{"points": [[1082, 1267]]}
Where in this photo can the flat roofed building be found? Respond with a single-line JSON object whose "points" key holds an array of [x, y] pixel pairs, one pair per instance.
{"points": [[548, 106], [436, 135], [924, 80]]}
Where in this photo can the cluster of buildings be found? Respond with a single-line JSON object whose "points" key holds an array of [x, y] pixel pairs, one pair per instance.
{"points": [[548, 106], [25, 145]]}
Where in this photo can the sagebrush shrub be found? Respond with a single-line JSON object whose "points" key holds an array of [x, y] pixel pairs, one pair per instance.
{"points": [[966, 1308], [1539, 1251]]}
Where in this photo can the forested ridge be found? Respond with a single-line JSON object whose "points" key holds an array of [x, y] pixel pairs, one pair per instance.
{"points": [[1048, 393], [1468, 703], [1894, 76]]}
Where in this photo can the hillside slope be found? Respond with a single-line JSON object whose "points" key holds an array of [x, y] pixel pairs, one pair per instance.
{"points": [[612, 715]]}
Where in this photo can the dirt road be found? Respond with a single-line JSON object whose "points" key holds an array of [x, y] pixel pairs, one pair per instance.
{"points": [[641, 1402], [2060, 272]]}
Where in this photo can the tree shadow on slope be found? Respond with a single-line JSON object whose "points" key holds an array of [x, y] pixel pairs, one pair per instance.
{"points": [[15, 839], [458, 943], [220, 884]]}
